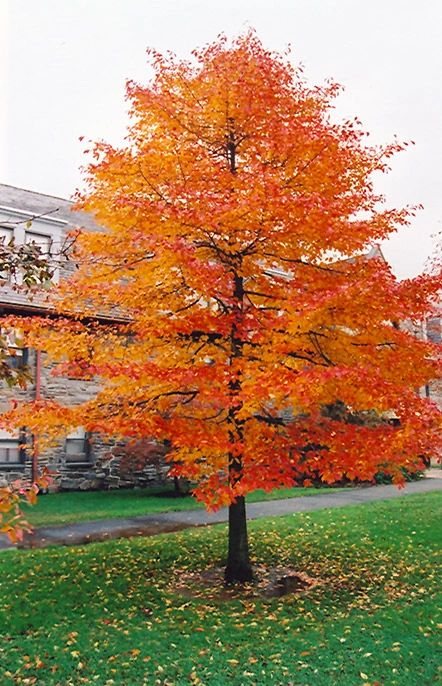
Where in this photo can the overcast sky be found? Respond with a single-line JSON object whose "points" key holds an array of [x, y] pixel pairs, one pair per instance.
{"points": [[64, 64]]}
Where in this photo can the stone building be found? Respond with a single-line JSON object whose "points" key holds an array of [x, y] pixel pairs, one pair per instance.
{"points": [[432, 331], [79, 460]]}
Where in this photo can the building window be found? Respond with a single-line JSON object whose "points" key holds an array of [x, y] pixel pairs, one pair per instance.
{"points": [[6, 237], [42, 230], [16, 357], [10, 451], [41, 240], [77, 447]]}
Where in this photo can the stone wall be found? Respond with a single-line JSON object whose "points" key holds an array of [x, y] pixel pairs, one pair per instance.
{"points": [[100, 465]]}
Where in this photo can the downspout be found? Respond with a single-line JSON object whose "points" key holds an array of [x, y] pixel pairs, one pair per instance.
{"points": [[37, 396]]}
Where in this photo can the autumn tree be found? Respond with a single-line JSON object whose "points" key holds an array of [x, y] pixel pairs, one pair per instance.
{"points": [[234, 220]]}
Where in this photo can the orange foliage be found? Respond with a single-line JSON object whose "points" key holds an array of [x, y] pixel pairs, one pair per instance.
{"points": [[12, 520], [230, 217]]}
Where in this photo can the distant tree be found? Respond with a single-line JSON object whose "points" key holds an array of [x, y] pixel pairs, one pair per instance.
{"points": [[22, 268], [25, 265], [228, 214]]}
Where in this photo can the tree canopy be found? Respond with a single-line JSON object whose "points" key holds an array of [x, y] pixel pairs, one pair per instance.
{"points": [[235, 218]]}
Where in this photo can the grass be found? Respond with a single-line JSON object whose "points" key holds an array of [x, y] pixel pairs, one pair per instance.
{"points": [[65, 508], [108, 614]]}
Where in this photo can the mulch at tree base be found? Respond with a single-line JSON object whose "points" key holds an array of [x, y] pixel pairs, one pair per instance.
{"points": [[269, 582]]}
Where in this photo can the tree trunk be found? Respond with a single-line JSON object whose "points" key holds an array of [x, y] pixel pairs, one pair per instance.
{"points": [[238, 567], [176, 487]]}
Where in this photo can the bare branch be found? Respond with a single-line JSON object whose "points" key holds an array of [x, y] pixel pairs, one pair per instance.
{"points": [[303, 263]]}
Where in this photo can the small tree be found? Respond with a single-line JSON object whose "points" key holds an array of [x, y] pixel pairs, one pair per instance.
{"points": [[233, 219], [24, 268]]}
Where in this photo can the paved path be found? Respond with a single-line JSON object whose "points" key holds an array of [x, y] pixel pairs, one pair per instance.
{"points": [[105, 529]]}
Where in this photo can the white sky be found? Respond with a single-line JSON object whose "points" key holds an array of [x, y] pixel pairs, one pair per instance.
{"points": [[64, 64]]}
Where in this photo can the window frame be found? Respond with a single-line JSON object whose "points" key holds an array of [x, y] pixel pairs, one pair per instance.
{"points": [[16, 442], [5, 277], [82, 457], [21, 222], [19, 358], [39, 234]]}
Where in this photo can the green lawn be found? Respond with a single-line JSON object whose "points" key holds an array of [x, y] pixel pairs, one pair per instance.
{"points": [[108, 614], [64, 508]]}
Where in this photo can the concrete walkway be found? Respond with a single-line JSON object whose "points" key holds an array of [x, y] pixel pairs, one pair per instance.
{"points": [[106, 529]]}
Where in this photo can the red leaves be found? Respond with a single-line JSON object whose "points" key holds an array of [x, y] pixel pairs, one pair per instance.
{"points": [[12, 520]]}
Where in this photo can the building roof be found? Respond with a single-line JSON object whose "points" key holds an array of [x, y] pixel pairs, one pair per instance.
{"points": [[50, 216], [48, 207]]}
